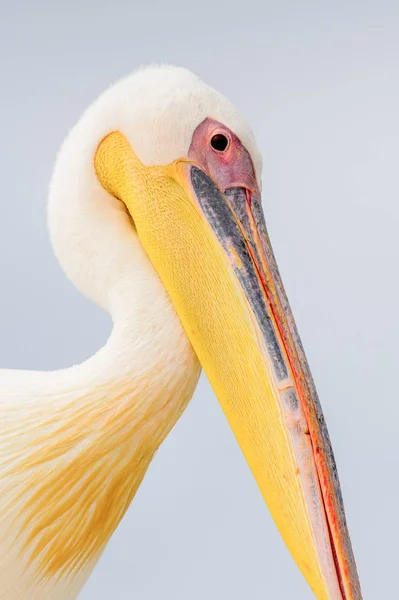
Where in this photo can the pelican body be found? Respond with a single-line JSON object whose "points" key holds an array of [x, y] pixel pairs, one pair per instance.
{"points": [[155, 214]]}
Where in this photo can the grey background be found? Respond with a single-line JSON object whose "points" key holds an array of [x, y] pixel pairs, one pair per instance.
{"points": [[319, 84]]}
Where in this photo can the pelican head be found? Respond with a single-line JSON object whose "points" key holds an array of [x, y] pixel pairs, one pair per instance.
{"points": [[163, 167]]}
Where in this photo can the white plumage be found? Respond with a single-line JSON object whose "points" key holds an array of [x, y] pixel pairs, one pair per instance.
{"points": [[147, 368]]}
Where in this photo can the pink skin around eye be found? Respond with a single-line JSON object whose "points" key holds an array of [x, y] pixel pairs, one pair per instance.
{"points": [[228, 168]]}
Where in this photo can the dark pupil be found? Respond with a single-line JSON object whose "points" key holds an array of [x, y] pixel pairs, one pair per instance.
{"points": [[219, 142]]}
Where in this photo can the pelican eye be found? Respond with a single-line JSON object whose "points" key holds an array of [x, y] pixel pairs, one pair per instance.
{"points": [[219, 142]]}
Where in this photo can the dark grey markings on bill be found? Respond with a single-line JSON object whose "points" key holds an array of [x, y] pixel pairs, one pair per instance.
{"points": [[291, 399], [223, 223]]}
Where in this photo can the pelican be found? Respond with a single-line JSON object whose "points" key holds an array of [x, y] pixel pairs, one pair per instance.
{"points": [[155, 214]]}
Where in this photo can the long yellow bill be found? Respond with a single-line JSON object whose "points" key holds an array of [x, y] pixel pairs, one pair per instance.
{"points": [[212, 252]]}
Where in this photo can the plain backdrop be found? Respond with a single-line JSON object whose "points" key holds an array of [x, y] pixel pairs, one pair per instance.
{"points": [[319, 83]]}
